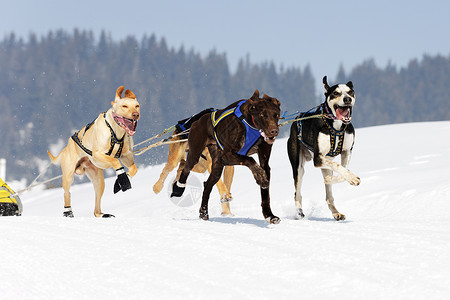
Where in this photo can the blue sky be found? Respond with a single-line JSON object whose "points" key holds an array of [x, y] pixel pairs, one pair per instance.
{"points": [[323, 34]]}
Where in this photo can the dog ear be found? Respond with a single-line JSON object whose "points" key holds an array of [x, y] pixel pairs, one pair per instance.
{"points": [[129, 94], [275, 101], [350, 84], [255, 96], [119, 93], [271, 99], [325, 83]]}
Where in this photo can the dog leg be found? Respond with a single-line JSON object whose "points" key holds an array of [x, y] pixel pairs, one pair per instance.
{"points": [[180, 169], [198, 137], [97, 178], [330, 179], [345, 159], [68, 167], [297, 159], [263, 156], [67, 182], [344, 172], [224, 190], [214, 176], [228, 174], [298, 179], [176, 153], [329, 197]]}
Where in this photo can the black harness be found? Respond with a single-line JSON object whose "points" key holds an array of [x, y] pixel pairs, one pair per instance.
{"points": [[114, 140], [335, 135]]}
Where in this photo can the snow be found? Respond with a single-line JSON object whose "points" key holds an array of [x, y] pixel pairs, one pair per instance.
{"points": [[395, 243]]}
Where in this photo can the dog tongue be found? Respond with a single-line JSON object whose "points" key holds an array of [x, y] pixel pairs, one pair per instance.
{"points": [[127, 124], [342, 113]]}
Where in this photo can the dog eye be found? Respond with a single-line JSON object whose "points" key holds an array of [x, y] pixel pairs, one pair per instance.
{"points": [[125, 106], [336, 93], [351, 93]]}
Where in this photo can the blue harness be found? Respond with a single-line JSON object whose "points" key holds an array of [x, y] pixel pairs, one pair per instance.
{"points": [[334, 134], [251, 133]]}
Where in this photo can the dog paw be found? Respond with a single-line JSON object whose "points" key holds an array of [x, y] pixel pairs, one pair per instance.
{"points": [[177, 189], [260, 177], [227, 214], [352, 179], [263, 182], [299, 215], [355, 181], [68, 214], [157, 188], [339, 217], [203, 213], [108, 216], [273, 220], [226, 198]]}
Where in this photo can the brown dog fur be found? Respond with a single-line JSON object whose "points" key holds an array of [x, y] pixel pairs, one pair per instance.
{"points": [[177, 154], [97, 138]]}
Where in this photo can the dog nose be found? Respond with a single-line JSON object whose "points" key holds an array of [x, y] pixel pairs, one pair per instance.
{"points": [[135, 115], [347, 100], [274, 132]]}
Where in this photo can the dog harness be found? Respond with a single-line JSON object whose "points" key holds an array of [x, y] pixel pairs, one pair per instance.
{"points": [[252, 134], [185, 124], [334, 134], [114, 140]]}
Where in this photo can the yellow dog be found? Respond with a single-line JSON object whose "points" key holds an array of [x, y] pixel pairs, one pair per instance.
{"points": [[98, 146]]}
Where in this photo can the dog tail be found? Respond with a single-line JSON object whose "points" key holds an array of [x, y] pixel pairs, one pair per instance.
{"points": [[56, 160]]}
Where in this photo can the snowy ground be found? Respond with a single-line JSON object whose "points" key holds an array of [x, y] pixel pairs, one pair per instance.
{"points": [[395, 243]]}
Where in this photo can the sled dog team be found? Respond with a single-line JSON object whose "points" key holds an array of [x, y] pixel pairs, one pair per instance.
{"points": [[216, 141]]}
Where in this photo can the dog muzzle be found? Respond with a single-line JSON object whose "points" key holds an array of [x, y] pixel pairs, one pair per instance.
{"points": [[128, 124], [268, 139]]}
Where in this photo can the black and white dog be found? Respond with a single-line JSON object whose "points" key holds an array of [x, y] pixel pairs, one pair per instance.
{"points": [[321, 134]]}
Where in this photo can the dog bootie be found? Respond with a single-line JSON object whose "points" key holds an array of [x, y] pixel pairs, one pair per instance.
{"points": [[68, 212], [122, 182], [177, 189]]}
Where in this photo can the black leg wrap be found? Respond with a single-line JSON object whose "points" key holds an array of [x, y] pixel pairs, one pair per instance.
{"points": [[176, 190]]}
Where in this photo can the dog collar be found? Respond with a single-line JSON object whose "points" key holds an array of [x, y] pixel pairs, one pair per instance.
{"points": [[128, 124]]}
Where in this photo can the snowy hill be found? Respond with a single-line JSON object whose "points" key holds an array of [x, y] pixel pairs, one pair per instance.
{"points": [[395, 243]]}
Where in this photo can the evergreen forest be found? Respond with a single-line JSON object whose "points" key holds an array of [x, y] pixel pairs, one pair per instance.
{"points": [[53, 85]]}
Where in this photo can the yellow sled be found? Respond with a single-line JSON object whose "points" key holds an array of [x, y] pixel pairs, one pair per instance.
{"points": [[10, 204]]}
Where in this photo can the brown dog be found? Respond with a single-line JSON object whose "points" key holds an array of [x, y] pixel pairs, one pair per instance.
{"points": [[232, 134], [177, 154], [98, 146]]}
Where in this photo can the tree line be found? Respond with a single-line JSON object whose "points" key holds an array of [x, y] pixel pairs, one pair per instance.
{"points": [[55, 84]]}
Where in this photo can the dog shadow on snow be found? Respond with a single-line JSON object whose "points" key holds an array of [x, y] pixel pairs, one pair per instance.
{"points": [[237, 220], [317, 219]]}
